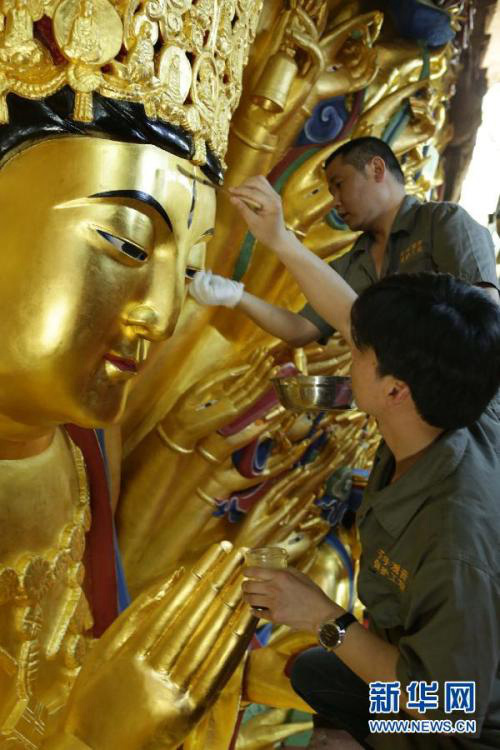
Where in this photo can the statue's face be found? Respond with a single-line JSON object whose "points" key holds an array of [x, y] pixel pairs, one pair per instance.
{"points": [[96, 236]]}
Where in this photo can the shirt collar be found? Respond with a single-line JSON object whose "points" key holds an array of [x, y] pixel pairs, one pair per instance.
{"points": [[396, 504], [406, 216], [404, 222]]}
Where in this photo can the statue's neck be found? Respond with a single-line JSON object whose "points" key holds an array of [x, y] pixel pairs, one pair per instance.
{"points": [[18, 440], [38, 497]]}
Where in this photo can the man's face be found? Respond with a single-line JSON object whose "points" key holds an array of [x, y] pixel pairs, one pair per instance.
{"points": [[355, 193], [96, 236], [367, 385]]}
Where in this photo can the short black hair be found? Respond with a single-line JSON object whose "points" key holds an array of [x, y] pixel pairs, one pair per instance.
{"points": [[32, 120], [440, 336], [359, 151]]}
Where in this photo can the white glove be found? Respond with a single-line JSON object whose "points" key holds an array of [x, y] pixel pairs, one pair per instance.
{"points": [[209, 289]]}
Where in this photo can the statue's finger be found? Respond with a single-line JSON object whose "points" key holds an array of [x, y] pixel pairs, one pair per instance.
{"points": [[124, 628], [176, 633], [182, 594], [228, 374], [224, 659], [250, 386], [258, 378], [204, 639]]}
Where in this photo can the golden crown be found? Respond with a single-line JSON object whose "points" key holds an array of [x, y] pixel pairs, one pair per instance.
{"points": [[182, 59]]}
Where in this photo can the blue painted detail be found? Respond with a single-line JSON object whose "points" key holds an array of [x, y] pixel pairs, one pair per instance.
{"points": [[121, 582], [102, 447], [312, 450], [421, 20], [355, 498], [314, 426], [122, 589], [344, 555], [262, 454], [259, 459], [397, 123], [327, 120], [264, 633]]}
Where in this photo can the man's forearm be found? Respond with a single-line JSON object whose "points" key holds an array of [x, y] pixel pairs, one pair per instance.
{"points": [[327, 292], [371, 658], [323, 287], [286, 325]]}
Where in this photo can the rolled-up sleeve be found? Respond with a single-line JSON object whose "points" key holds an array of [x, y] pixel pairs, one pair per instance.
{"points": [[324, 328], [452, 631], [461, 246]]}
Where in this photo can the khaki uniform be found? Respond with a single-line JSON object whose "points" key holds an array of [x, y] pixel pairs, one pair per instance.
{"points": [[430, 573], [424, 237]]}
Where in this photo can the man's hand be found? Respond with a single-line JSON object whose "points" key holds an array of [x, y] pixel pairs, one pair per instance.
{"points": [[209, 289], [288, 597], [324, 289], [265, 223]]}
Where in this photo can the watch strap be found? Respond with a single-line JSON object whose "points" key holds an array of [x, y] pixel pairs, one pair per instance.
{"points": [[345, 620]]}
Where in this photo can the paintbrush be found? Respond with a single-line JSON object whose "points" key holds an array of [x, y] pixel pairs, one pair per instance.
{"points": [[253, 205]]}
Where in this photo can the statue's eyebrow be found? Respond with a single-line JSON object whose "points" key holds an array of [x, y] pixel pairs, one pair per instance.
{"points": [[137, 195]]}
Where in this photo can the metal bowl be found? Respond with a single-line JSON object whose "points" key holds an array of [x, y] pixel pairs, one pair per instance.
{"points": [[314, 392]]}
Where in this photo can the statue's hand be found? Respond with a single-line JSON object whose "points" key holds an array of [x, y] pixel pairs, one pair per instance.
{"points": [[216, 448], [215, 401], [226, 479], [266, 729], [332, 359], [279, 511], [157, 669]]}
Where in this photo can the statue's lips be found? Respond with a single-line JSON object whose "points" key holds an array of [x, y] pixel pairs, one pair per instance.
{"points": [[126, 365]]}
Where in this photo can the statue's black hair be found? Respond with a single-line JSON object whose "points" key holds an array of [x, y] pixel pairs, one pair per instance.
{"points": [[30, 120]]}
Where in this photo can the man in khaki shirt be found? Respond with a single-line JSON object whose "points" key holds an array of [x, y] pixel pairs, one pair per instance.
{"points": [[426, 364], [399, 234]]}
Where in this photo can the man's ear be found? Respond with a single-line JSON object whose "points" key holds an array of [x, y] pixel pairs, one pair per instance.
{"points": [[398, 392], [378, 168]]}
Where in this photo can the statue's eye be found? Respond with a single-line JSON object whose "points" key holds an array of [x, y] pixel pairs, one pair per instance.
{"points": [[125, 247]]}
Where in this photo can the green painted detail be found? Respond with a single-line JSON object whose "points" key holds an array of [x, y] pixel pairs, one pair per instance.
{"points": [[244, 258], [287, 173], [426, 67], [246, 251], [400, 119], [334, 222]]}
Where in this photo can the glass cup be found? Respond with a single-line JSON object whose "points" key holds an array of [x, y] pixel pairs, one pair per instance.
{"points": [[267, 557]]}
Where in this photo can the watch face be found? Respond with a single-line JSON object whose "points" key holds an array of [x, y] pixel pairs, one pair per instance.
{"points": [[329, 634]]}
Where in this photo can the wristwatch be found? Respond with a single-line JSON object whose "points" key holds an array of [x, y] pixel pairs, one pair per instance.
{"points": [[332, 632]]}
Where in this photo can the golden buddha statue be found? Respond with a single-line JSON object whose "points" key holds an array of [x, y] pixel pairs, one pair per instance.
{"points": [[102, 216]]}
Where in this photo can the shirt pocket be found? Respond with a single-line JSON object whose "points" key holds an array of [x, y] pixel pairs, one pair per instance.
{"points": [[382, 598], [416, 258]]}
